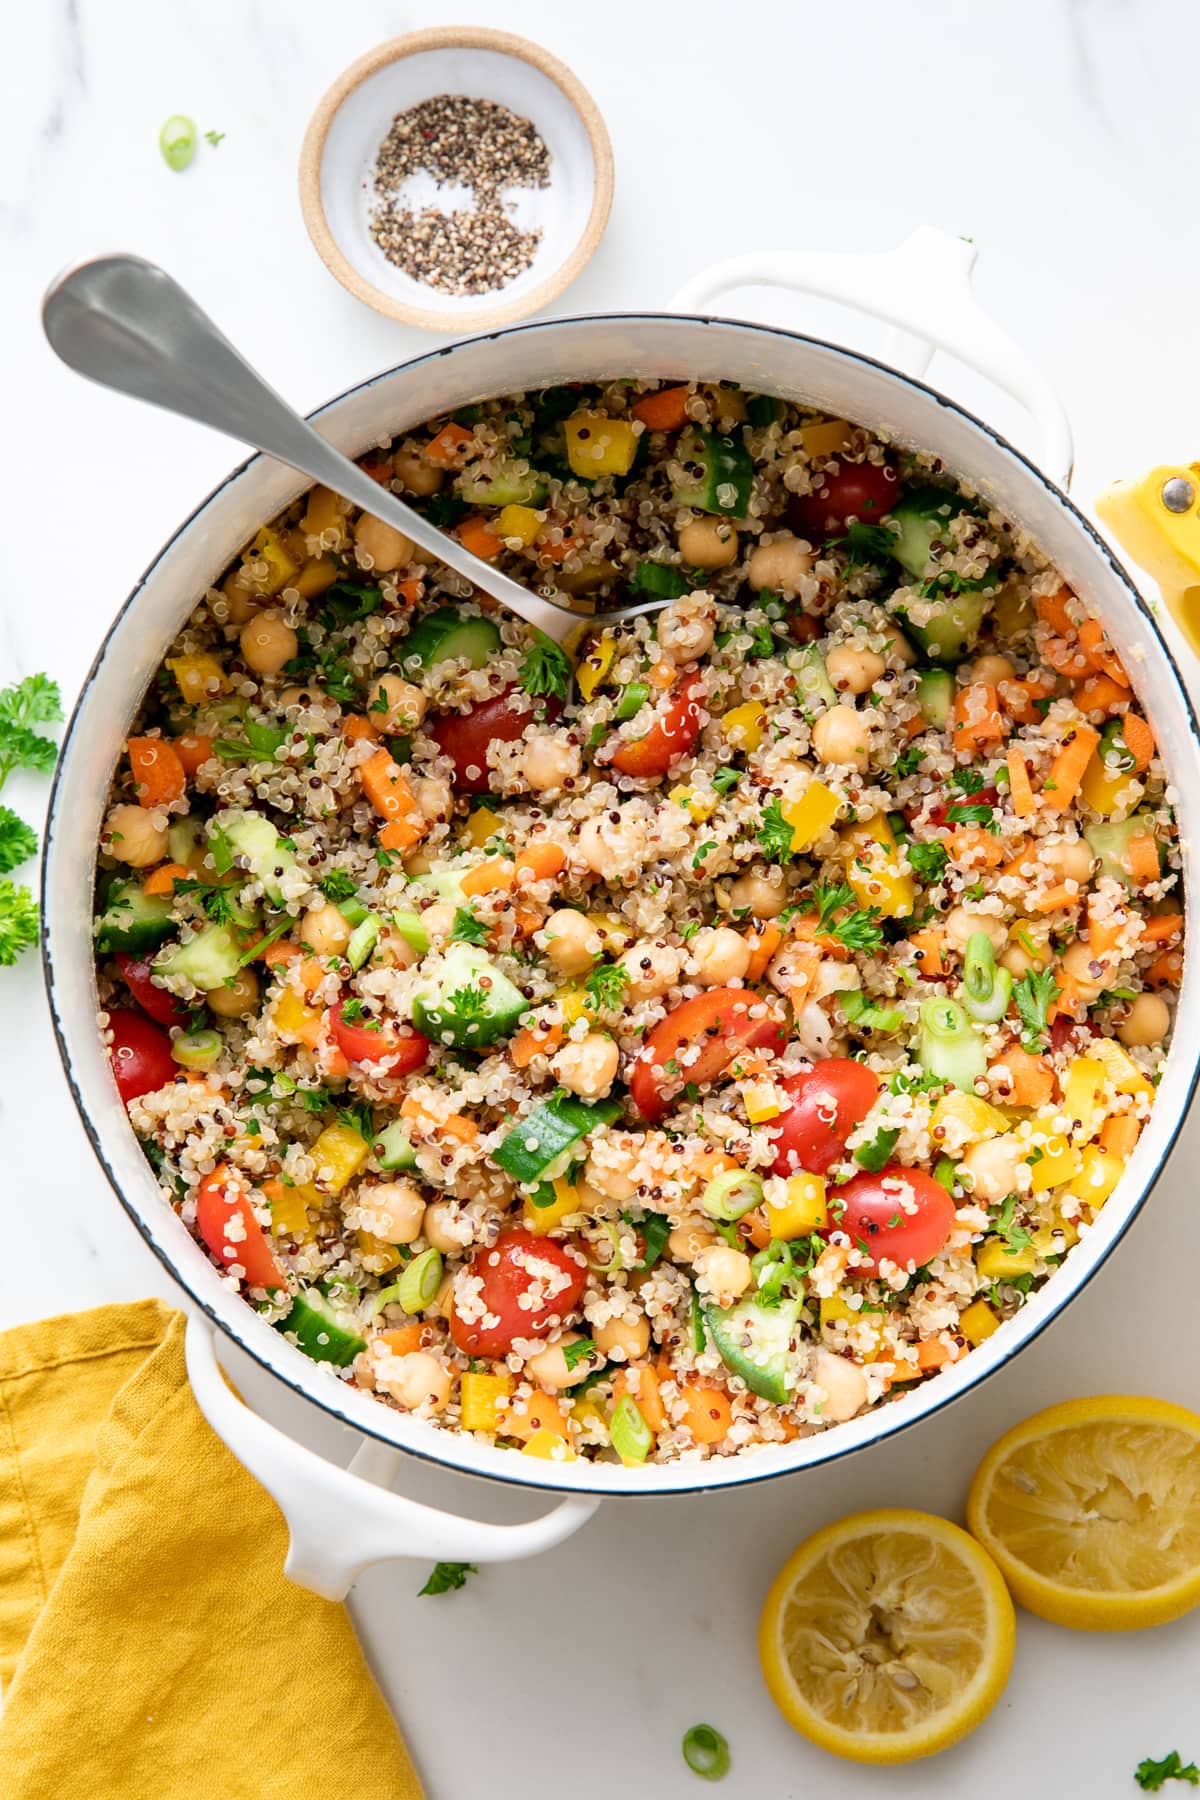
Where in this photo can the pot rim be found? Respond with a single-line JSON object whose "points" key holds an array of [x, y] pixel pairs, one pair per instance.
{"points": [[740, 1470]]}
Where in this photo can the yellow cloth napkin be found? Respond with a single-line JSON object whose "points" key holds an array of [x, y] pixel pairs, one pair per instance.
{"points": [[150, 1646]]}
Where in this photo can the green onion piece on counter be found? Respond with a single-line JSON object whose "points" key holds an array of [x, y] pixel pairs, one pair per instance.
{"points": [[706, 1753], [177, 141], [731, 1194], [363, 940], [197, 1049], [986, 990], [419, 1283], [409, 925], [630, 1434], [949, 1045]]}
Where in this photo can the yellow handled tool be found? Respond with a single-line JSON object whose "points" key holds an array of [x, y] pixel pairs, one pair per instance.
{"points": [[1157, 520]]}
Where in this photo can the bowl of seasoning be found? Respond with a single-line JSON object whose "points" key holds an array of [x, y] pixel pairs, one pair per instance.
{"points": [[457, 178]]}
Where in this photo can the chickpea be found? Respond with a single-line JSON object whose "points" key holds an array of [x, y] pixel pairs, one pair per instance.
{"points": [[844, 1383], [1147, 1022], [899, 649], [723, 1272], [438, 919], [993, 669], [652, 968], [325, 930], [433, 795], [446, 1228], [1016, 955], [781, 565], [1089, 975], [992, 1166], [623, 1340], [588, 1067], [570, 941], [416, 1381], [853, 671], [687, 1241], [686, 628], [762, 893], [304, 698], [241, 599], [549, 1367], [387, 548], [707, 543], [611, 1164], [395, 706], [551, 761], [236, 997], [393, 1211], [962, 922], [1068, 861], [840, 738], [719, 955], [136, 835], [267, 643], [612, 846], [415, 474]]}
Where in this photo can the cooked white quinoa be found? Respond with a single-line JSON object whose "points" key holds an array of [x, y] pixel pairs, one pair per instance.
{"points": [[871, 799]]}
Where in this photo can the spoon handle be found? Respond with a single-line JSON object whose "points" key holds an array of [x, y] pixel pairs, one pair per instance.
{"points": [[128, 325]]}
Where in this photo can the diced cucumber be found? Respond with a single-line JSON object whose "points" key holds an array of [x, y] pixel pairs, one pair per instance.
{"points": [[185, 837], [951, 628], [208, 960], [663, 580], [409, 925], [762, 410], [466, 1000], [252, 836], [812, 679], [755, 1342], [723, 476], [445, 881], [134, 921], [393, 1147], [447, 634], [1109, 840], [919, 520], [935, 696], [539, 1145], [320, 1331], [507, 485]]}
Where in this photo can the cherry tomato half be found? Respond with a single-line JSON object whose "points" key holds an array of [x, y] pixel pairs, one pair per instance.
{"points": [[901, 1214], [863, 491], [719, 1025], [464, 737], [520, 1264], [156, 1001], [225, 1220], [403, 1051], [827, 1102], [140, 1054], [671, 736]]}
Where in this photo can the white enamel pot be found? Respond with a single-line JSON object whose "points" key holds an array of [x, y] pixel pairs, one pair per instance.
{"points": [[342, 1520]]}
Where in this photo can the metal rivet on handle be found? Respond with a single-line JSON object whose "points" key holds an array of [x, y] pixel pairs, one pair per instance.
{"points": [[1178, 494]]}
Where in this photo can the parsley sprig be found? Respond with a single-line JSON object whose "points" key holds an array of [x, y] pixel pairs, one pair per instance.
{"points": [[775, 834], [467, 929], [446, 1576], [23, 707], [605, 987], [1034, 995], [1151, 1772], [18, 841], [545, 668], [860, 928]]}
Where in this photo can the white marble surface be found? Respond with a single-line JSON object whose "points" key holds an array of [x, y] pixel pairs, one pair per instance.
{"points": [[1061, 136]]}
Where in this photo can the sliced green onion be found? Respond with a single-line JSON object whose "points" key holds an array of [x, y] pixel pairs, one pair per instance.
{"points": [[420, 1281], [353, 911], [197, 1049], [631, 702], [858, 1010], [772, 1269], [177, 141], [731, 1194], [986, 990], [706, 1753], [630, 1434], [363, 940], [264, 943], [409, 925], [699, 1331], [616, 1261], [944, 1172], [949, 1045]]}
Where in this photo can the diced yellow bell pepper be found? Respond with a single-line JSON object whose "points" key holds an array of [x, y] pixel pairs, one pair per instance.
{"points": [[804, 1210], [549, 1446], [1033, 937], [744, 727], [1057, 1163], [543, 1219], [342, 1151], [1120, 1068], [867, 1325], [1056, 1236], [1108, 791], [968, 1112], [290, 1215], [198, 678], [1081, 1098], [482, 825], [589, 1414], [379, 1258], [326, 511], [296, 1021], [598, 445], [811, 816], [826, 438], [978, 1322], [697, 806], [269, 547], [761, 1099], [318, 574], [572, 1004], [591, 669], [482, 1399], [615, 932], [1098, 1174], [518, 522], [873, 869], [996, 1262]]}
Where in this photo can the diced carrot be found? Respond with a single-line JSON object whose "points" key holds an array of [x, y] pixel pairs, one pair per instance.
{"points": [[495, 876], [804, 930], [973, 847], [385, 786], [1160, 927], [379, 468], [282, 951], [707, 1411], [192, 749], [402, 834], [404, 1340], [1019, 785], [432, 1124], [410, 591], [446, 448], [1023, 865], [533, 1041], [913, 726], [527, 920], [1141, 858], [477, 536], [928, 946], [1120, 1135], [1166, 970], [1100, 652], [1139, 740], [1052, 610], [557, 550], [1065, 655], [1066, 771], [1019, 698], [763, 941], [540, 1412], [647, 1397], [355, 727], [335, 1063], [538, 862], [162, 880], [662, 676], [664, 411], [1059, 898], [158, 773], [934, 1354], [977, 716], [1022, 1079], [1100, 693], [755, 1227], [312, 974]]}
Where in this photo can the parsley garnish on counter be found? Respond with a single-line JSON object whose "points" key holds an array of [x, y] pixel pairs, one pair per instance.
{"points": [[1150, 1774], [448, 1576], [23, 707]]}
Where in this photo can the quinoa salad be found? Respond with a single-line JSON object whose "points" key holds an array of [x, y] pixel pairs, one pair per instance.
{"points": [[673, 1048]]}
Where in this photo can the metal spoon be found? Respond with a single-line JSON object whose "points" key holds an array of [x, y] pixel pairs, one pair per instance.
{"points": [[128, 325]]}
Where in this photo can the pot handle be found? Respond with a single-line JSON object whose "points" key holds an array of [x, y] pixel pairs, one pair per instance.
{"points": [[341, 1521], [924, 290]]}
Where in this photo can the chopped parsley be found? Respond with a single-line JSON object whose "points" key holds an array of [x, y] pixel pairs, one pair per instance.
{"points": [[654, 1229], [908, 761], [466, 1004], [446, 1576], [974, 815], [702, 852], [338, 885], [605, 986], [965, 781], [345, 602], [1151, 1772], [218, 902], [545, 668], [358, 1118], [1034, 995], [724, 779], [874, 1156], [775, 834], [467, 929], [582, 1350], [1015, 1236], [860, 929], [927, 861], [352, 1010]]}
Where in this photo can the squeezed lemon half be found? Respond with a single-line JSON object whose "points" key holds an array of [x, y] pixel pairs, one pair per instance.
{"points": [[1092, 1511], [887, 1636]]}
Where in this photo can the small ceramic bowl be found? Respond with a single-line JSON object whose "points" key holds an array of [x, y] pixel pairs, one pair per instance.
{"points": [[337, 166]]}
